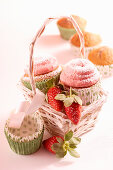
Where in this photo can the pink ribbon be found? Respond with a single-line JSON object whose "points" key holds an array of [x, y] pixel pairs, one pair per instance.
{"points": [[26, 108]]}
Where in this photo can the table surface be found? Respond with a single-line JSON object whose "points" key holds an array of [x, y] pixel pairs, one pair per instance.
{"points": [[19, 23]]}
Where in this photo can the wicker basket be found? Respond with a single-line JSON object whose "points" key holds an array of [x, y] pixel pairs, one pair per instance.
{"points": [[58, 122]]}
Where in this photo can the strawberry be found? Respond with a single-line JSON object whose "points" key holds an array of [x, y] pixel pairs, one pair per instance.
{"points": [[49, 142], [74, 112], [51, 94], [72, 106], [59, 146]]}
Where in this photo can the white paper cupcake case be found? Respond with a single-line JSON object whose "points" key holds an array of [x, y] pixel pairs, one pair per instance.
{"points": [[28, 138], [106, 70], [31, 137], [77, 53], [90, 94]]}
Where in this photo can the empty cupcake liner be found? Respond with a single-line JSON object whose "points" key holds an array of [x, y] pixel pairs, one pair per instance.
{"points": [[77, 52], [45, 82], [106, 70], [90, 94], [28, 138]]}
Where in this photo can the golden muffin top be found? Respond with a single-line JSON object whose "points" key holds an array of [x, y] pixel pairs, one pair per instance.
{"points": [[66, 23], [90, 39], [101, 56]]}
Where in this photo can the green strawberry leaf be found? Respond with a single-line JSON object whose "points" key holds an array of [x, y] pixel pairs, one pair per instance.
{"points": [[56, 147], [68, 101], [73, 95], [61, 97], [68, 135], [73, 146], [60, 140], [60, 151], [61, 154], [77, 100], [74, 92], [73, 153], [76, 140]]}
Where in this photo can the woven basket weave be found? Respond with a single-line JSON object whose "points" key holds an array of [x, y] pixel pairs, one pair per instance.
{"points": [[57, 123]]}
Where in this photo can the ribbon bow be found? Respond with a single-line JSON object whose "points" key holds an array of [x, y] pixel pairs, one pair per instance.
{"points": [[26, 108]]}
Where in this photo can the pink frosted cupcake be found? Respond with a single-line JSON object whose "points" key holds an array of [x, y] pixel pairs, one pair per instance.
{"points": [[46, 73], [83, 77]]}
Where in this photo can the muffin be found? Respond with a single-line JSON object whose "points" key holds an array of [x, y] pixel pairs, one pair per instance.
{"points": [[46, 73], [103, 59], [83, 77], [91, 41], [28, 138], [66, 27]]}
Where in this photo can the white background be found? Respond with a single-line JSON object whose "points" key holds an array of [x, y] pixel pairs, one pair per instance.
{"points": [[19, 21]]}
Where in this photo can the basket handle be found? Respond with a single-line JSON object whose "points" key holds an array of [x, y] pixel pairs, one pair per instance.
{"points": [[39, 33]]}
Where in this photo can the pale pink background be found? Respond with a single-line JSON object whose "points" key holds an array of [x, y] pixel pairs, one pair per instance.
{"points": [[19, 21]]}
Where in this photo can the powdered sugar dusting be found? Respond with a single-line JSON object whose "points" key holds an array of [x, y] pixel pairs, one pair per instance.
{"points": [[79, 73], [43, 64], [41, 30]]}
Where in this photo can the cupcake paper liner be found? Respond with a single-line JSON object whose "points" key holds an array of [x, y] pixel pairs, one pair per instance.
{"points": [[90, 94], [77, 52], [43, 84], [66, 33], [28, 138], [106, 70]]}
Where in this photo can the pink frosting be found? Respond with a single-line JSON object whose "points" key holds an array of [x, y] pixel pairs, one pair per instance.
{"points": [[43, 65], [79, 73]]}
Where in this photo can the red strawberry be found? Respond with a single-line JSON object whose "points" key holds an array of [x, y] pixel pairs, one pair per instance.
{"points": [[59, 146], [51, 94], [72, 105], [74, 112], [49, 142]]}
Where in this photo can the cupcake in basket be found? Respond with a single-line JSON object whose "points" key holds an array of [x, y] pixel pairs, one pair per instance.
{"points": [[91, 41], [103, 59], [74, 103], [66, 27], [63, 110], [24, 133], [84, 78], [46, 73]]}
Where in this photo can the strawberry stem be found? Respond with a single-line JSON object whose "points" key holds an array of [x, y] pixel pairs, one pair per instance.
{"points": [[70, 91]]}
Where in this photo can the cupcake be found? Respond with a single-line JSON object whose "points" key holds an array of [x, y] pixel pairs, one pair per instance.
{"points": [[28, 138], [66, 27], [46, 73], [103, 59], [83, 77], [91, 41]]}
